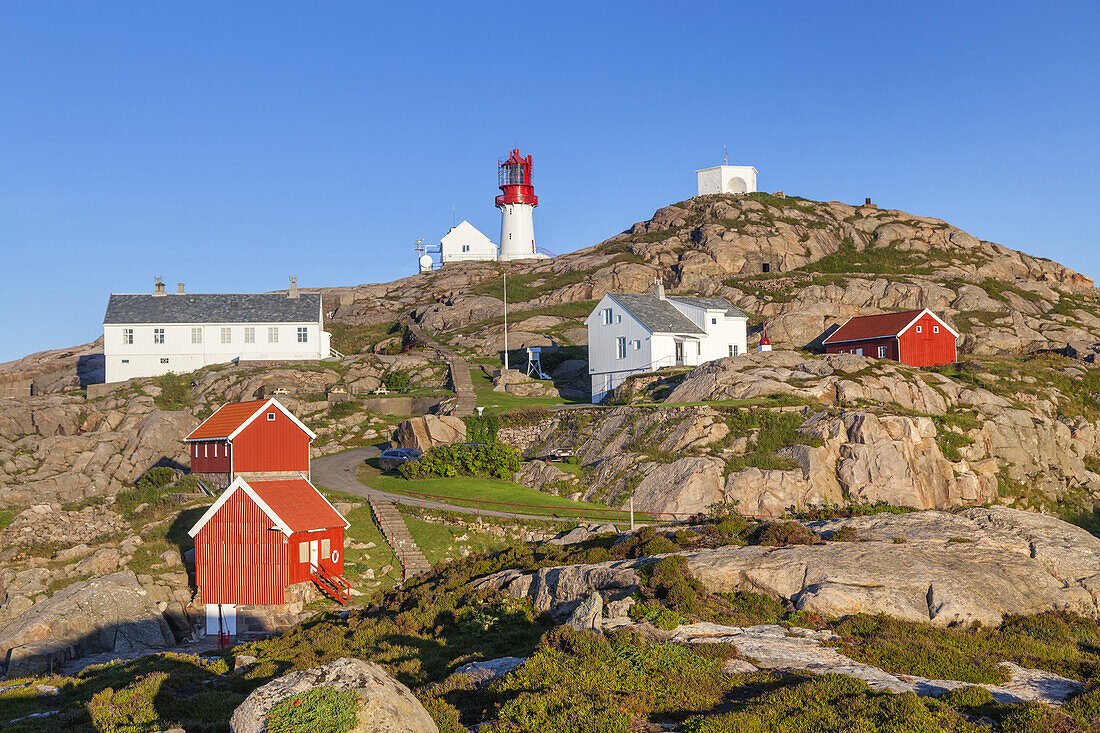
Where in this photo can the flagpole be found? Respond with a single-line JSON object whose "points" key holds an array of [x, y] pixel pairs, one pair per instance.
{"points": [[505, 317]]}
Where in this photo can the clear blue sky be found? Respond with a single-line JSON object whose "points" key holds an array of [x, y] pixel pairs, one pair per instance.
{"points": [[228, 145]]}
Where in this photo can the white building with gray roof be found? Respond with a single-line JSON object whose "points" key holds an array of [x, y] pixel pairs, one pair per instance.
{"points": [[632, 333], [149, 334]]}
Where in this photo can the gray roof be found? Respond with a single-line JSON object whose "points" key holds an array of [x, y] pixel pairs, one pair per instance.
{"points": [[713, 303], [214, 308], [659, 316]]}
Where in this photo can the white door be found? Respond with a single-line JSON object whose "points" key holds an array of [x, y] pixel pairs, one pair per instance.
{"points": [[313, 554], [227, 619]]}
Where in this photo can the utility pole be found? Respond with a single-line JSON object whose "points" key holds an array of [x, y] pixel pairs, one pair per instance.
{"points": [[631, 512], [506, 317]]}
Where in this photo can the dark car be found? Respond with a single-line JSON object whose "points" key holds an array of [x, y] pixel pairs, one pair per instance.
{"points": [[559, 454], [395, 457]]}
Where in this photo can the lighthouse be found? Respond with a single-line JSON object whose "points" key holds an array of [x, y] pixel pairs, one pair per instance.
{"points": [[517, 203]]}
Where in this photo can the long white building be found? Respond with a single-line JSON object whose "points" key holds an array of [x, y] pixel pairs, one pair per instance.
{"points": [[146, 335], [630, 333]]}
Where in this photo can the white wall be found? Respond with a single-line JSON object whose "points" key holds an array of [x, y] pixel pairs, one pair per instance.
{"points": [[145, 358], [722, 331], [727, 179], [464, 242], [517, 232]]}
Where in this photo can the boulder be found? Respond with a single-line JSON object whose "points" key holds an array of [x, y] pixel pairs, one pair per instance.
{"points": [[537, 474], [589, 614], [482, 673], [429, 431], [387, 705]]}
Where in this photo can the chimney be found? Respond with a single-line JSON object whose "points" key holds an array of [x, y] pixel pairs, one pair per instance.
{"points": [[293, 292], [158, 286], [658, 288], [179, 289]]}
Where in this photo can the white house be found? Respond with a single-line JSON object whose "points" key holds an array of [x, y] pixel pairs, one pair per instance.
{"points": [[145, 335], [727, 179], [464, 242], [634, 333]]}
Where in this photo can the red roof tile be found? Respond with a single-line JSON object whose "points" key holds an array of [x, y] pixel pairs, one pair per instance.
{"points": [[869, 327], [297, 503], [227, 419]]}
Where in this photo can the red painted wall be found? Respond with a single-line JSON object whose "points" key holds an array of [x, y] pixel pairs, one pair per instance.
{"points": [[928, 348], [210, 456], [239, 558], [298, 571], [869, 346], [271, 445]]}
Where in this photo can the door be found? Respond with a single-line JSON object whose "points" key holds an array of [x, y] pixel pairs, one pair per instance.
{"points": [[679, 353], [313, 554], [859, 351], [221, 617]]}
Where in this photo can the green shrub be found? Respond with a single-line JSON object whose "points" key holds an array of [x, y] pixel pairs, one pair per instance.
{"points": [[482, 428], [970, 696], [396, 381], [777, 534], [320, 710], [130, 709], [175, 392], [847, 533], [658, 546], [341, 410], [495, 460]]}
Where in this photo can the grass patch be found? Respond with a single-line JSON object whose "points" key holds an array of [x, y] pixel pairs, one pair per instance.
{"points": [[441, 542], [175, 392], [320, 710]]}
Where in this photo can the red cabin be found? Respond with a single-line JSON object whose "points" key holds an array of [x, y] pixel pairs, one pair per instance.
{"points": [[262, 535], [918, 338], [249, 438]]}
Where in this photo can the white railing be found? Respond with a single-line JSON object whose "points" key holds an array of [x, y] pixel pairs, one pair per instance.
{"points": [[334, 353]]}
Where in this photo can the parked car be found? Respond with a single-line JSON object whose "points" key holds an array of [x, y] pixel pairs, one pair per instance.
{"points": [[392, 459], [559, 454]]}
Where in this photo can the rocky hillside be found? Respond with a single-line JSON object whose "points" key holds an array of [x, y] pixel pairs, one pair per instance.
{"points": [[825, 262]]}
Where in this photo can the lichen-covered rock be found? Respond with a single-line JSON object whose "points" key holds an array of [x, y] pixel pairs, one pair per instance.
{"points": [[429, 431], [387, 706]]}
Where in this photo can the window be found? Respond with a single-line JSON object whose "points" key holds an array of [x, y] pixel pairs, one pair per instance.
{"points": [[303, 334], [607, 316], [127, 335], [465, 248], [882, 352], [620, 344], [303, 552], [618, 319], [326, 549], [164, 360], [125, 361], [918, 329], [227, 335], [271, 417], [734, 349], [637, 344], [205, 450], [935, 329], [698, 348], [196, 335], [273, 334], [250, 334], [158, 335], [766, 267], [714, 321]]}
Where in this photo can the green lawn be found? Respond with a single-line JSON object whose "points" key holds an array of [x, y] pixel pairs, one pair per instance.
{"points": [[363, 530], [498, 402], [440, 542], [491, 494]]}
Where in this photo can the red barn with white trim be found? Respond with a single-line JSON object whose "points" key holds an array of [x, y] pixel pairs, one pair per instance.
{"points": [[262, 535], [918, 338], [248, 438]]}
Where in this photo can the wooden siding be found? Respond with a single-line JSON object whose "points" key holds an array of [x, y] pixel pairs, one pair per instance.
{"points": [[869, 346], [211, 456], [298, 571], [239, 558], [928, 348], [271, 445]]}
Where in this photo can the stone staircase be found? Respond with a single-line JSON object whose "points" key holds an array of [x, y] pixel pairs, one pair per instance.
{"points": [[465, 397], [393, 527]]}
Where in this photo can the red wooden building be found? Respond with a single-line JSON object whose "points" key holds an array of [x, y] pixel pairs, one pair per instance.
{"points": [[917, 338], [249, 438], [262, 535]]}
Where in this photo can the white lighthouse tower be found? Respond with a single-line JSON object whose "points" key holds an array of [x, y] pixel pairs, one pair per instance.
{"points": [[517, 205]]}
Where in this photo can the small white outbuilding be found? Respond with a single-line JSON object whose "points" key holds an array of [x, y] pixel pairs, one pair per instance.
{"points": [[464, 242], [727, 179], [632, 333]]}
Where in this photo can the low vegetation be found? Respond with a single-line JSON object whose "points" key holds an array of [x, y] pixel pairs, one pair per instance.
{"points": [[320, 710], [492, 460]]}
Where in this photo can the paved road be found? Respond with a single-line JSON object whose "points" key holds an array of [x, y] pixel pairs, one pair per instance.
{"points": [[337, 472]]}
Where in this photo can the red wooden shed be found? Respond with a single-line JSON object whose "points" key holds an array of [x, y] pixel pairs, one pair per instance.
{"points": [[248, 438], [262, 535], [917, 338]]}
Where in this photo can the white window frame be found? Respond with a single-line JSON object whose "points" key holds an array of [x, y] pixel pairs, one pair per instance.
{"points": [[271, 417], [326, 549], [620, 347], [273, 334], [196, 334], [127, 335], [164, 360], [158, 335], [303, 552], [714, 321], [303, 334], [918, 329], [227, 335], [935, 329], [607, 318], [250, 334], [882, 352]]}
